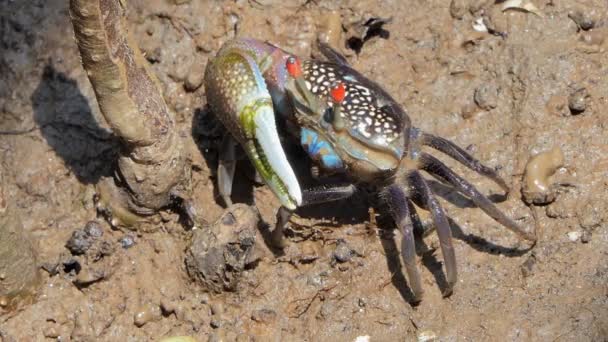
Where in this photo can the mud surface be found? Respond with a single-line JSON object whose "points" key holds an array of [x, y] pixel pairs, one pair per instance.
{"points": [[530, 84]]}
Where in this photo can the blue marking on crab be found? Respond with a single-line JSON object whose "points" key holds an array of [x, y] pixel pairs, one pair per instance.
{"points": [[319, 149]]}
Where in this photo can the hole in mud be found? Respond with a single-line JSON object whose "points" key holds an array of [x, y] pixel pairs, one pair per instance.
{"points": [[72, 266], [366, 30]]}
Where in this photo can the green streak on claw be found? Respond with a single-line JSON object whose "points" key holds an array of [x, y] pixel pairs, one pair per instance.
{"points": [[255, 151]]}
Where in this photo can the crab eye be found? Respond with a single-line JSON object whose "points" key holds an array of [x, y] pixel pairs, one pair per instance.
{"points": [[293, 66], [337, 92]]}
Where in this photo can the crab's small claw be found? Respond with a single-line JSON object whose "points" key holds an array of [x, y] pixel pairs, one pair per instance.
{"points": [[238, 95]]}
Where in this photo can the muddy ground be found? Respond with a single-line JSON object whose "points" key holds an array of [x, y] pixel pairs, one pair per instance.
{"points": [[534, 82]]}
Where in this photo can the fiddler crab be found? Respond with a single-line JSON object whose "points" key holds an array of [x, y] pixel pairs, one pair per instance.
{"points": [[348, 125]]}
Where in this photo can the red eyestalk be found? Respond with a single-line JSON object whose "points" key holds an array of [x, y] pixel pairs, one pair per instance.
{"points": [[293, 67], [337, 92]]}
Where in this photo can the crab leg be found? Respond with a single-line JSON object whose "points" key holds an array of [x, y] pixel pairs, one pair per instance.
{"points": [[399, 207], [440, 171], [463, 157], [238, 95], [419, 185], [319, 195], [226, 168]]}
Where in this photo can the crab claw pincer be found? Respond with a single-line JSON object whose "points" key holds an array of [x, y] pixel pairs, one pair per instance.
{"points": [[238, 95]]}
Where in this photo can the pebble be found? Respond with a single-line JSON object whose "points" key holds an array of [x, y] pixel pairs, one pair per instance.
{"points": [[574, 236], [82, 239], [146, 313], [93, 229], [127, 241], [486, 96], [79, 242], [343, 252], [577, 101]]}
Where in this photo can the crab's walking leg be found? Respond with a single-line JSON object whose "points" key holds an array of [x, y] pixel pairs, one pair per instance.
{"points": [[226, 168], [462, 156], [419, 185], [399, 207], [311, 196], [439, 170]]}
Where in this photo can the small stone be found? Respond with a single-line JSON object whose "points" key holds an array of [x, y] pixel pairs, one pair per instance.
{"points": [[79, 242], [82, 239], [146, 313], [486, 96], [574, 236], [93, 229], [343, 252], [127, 241], [577, 101], [219, 255]]}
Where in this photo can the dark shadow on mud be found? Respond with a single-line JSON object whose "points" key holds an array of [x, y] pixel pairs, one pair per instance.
{"points": [[481, 244], [452, 195], [208, 132], [66, 121], [395, 267]]}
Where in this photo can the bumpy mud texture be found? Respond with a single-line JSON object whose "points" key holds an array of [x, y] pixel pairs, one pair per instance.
{"points": [[504, 95], [219, 253]]}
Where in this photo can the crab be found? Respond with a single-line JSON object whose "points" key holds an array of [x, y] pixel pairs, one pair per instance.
{"points": [[348, 125]]}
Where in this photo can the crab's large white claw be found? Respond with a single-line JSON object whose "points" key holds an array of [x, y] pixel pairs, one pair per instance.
{"points": [[281, 173]]}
